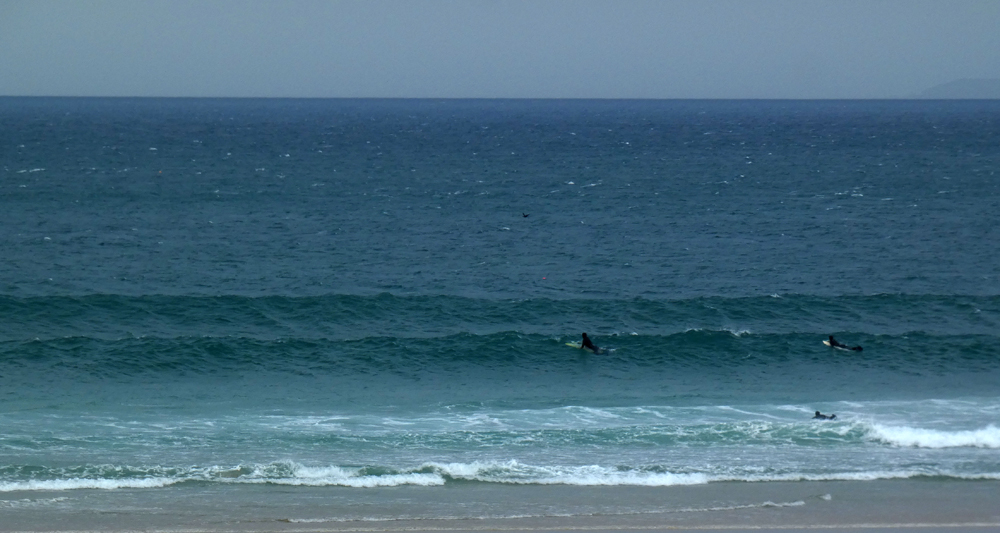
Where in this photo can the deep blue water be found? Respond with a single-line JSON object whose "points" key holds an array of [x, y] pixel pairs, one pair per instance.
{"points": [[356, 293]]}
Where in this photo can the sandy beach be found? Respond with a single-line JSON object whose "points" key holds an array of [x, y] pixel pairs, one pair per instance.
{"points": [[924, 505]]}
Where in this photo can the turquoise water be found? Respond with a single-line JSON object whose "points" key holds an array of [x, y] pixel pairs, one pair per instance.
{"points": [[256, 296]]}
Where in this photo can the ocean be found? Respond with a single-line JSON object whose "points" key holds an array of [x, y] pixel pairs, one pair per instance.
{"points": [[353, 314]]}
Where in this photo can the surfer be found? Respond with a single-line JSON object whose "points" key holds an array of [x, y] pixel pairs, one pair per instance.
{"points": [[821, 416], [588, 344], [835, 344]]}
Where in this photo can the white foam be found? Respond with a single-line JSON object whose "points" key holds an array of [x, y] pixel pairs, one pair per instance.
{"points": [[766, 504], [396, 480], [28, 502], [344, 477], [736, 332], [512, 472], [987, 437], [500, 472], [591, 413], [853, 476], [84, 483], [640, 479]]}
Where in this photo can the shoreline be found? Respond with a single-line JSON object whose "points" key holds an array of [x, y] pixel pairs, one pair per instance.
{"points": [[917, 505], [951, 528]]}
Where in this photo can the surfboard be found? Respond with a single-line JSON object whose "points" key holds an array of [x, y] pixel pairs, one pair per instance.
{"points": [[837, 347], [577, 345]]}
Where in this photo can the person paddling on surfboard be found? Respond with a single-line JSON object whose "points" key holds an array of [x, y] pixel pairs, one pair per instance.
{"points": [[835, 344], [588, 344], [821, 416]]}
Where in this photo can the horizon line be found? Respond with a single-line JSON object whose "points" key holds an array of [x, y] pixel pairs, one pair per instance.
{"points": [[468, 98]]}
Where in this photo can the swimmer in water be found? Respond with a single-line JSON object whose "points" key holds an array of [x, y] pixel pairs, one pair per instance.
{"points": [[587, 343], [835, 344], [821, 416]]}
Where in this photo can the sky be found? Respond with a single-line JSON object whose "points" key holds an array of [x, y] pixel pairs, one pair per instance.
{"points": [[495, 48]]}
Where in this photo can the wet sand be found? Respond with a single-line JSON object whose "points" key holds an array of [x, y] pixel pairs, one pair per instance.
{"points": [[911, 505]]}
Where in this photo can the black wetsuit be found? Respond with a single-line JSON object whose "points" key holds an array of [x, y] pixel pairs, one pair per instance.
{"points": [[835, 344], [821, 416], [588, 344]]}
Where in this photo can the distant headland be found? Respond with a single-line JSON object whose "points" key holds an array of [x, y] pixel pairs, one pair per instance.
{"points": [[973, 89]]}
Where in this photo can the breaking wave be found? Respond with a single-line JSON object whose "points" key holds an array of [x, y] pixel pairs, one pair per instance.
{"points": [[987, 437], [434, 474]]}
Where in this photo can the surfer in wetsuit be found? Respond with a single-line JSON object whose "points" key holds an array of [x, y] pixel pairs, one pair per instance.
{"points": [[586, 343], [821, 416], [835, 344]]}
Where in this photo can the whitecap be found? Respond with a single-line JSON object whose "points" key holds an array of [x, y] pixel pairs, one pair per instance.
{"points": [[987, 437], [85, 483]]}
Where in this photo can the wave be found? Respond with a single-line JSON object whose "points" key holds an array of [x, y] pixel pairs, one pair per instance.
{"points": [[288, 473], [349, 317], [74, 484], [987, 437], [707, 352], [108, 335], [449, 348], [26, 503], [522, 431]]}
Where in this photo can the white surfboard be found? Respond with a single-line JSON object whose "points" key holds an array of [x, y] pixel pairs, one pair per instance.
{"points": [[837, 347], [577, 345]]}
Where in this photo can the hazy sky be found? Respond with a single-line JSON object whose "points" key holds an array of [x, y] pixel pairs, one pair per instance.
{"points": [[495, 48]]}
